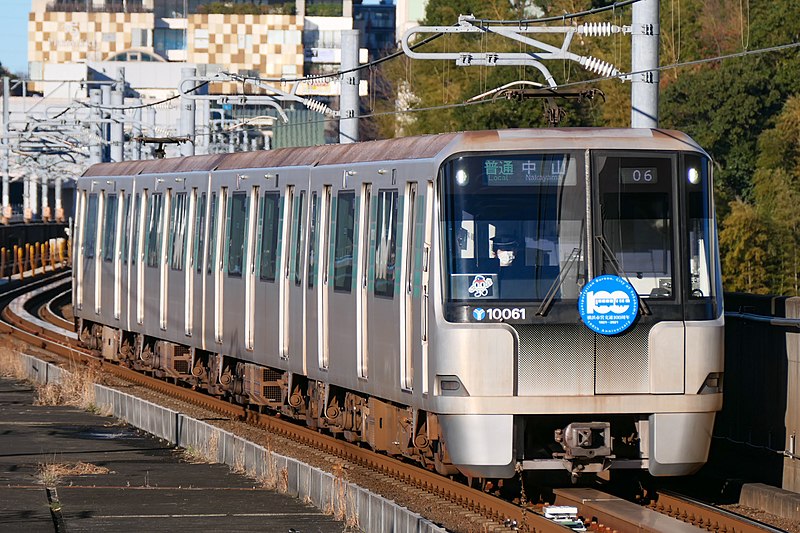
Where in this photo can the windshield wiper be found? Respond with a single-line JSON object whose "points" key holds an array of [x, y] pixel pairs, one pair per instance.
{"points": [[614, 262], [558, 282]]}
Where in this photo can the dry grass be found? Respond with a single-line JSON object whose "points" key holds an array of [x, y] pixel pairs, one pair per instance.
{"points": [[205, 454], [75, 388], [11, 363], [49, 474]]}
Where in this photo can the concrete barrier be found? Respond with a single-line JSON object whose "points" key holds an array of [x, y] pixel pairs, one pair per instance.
{"points": [[771, 500]]}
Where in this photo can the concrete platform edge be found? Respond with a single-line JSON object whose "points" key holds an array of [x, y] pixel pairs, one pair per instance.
{"points": [[329, 493]]}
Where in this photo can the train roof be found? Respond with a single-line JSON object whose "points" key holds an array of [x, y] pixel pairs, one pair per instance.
{"points": [[409, 148]]}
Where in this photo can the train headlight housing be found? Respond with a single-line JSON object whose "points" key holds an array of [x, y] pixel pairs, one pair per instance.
{"points": [[694, 176]]}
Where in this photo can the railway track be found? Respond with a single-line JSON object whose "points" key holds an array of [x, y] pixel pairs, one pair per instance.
{"points": [[37, 321]]}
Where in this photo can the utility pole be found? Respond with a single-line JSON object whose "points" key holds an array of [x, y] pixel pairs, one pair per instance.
{"points": [[644, 57], [46, 214], [95, 127], [105, 113], [59, 208], [117, 127], [137, 128], [187, 116], [348, 88]]}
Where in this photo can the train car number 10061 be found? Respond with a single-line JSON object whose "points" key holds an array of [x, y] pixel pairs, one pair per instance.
{"points": [[499, 313]]}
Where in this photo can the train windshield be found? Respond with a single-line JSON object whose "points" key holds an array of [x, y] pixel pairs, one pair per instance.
{"points": [[515, 225]]}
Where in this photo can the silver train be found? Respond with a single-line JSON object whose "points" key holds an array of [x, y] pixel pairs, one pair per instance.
{"points": [[365, 289]]}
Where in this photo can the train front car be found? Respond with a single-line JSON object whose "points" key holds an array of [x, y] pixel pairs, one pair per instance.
{"points": [[581, 316]]}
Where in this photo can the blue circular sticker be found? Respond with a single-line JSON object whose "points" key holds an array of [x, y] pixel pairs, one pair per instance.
{"points": [[608, 305]]}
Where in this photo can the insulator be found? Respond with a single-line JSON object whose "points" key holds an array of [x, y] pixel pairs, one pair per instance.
{"points": [[598, 29], [599, 66], [319, 107]]}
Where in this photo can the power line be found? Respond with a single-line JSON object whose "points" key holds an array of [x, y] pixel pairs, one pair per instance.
{"points": [[565, 16]]}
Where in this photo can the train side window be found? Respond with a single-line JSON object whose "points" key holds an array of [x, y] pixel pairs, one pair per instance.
{"points": [[299, 239], [343, 258], [154, 232], [110, 228], [212, 233], [127, 229], [386, 243], [200, 226], [312, 240], [178, 231], [90, 233], [269, 235], [137, 213], [238, 239]]}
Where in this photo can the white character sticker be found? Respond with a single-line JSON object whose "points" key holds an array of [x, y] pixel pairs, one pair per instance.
{"points": [[480, 286]]}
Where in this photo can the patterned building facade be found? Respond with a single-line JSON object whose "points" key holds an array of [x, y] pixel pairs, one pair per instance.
{"points": [[266, 45]]}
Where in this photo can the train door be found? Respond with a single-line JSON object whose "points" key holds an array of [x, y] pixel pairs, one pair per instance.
{"points": [[179, 298], [218, 230], [362, 259], [382, 309], [417, 234], [267, 278], [138, 257], [108, 274], [91, 227], [283, 273], [201, 254], [406, 272], [128, 214], [295, 283], [345, 312], [317, 277], [98, 256], [234, 253], [249, 250], [119, 227], [163, 259], [189, 262]]}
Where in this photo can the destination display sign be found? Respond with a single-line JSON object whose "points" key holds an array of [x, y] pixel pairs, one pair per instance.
{"points": [[533, 169]]}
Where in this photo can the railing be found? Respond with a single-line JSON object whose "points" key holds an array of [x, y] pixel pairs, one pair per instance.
{"points": [[30, 260]]}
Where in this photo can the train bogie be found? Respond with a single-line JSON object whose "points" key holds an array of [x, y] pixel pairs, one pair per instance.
{"points": [[440, 298]]}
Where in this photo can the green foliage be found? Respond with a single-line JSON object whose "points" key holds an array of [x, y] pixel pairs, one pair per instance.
{"points": [[743, 242], [251, 8]]}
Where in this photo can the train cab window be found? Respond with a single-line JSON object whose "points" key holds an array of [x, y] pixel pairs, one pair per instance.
{"points": [[702, 285], [343, 247], [90, 232], [312, 239], [635, 221], [299, 238], [200, 226], [237, 243], [270, 223], [110, 227], [177, 232], [386, 243], [154, 232], [515, 227]]}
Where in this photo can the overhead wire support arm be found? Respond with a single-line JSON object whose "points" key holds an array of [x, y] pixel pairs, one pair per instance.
{"points": [[540, 51], [267, 99]]}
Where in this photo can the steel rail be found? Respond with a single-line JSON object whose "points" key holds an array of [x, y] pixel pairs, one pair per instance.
{"points": [[707, 516]]}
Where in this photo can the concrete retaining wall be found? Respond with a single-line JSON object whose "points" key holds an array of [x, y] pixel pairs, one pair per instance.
{"points": [[325, 491]]}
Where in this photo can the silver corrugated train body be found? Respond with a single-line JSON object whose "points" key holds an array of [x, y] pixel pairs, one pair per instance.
{"points": [[422, 294]]}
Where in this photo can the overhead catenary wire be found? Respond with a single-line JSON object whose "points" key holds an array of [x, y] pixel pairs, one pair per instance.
{"points": [[714, 59]]}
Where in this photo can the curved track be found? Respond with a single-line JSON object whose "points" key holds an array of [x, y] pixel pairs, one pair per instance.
{"points": [[31, 314]]}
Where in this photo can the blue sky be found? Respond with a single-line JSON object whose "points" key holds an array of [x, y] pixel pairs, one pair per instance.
{"points": [[14, 34]]}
